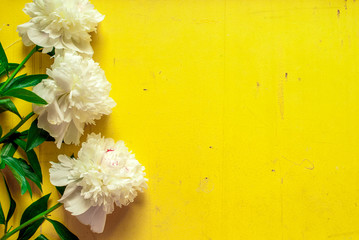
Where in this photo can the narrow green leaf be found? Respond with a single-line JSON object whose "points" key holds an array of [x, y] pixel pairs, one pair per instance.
{"points": [[25, 81], [12, 203], [18, 172], [23, 135], [36, 136], [62, 231], [25, 95], [2, 216], [31, 157], [29, 172], [7, 105], [3, 59], [41, 237], [10, 67], [61, 189], [33, 210], [8, 149], [52, 53], [0, 131]]}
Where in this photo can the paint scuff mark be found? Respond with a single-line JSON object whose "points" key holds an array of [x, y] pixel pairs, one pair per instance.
{"points": [[13, 43], [338, 13], [281, 97], [158, 210], [205, 185], [204, 21], [306, 163], [344, 234]]}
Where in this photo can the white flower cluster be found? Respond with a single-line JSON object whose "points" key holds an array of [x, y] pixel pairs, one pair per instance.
{"points": [[60, 24], [105, 173], [77, 93]]}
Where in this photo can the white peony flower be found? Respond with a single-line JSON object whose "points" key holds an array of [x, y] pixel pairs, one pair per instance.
{"points": [[77, 93], [105, 173], [63, 24]]}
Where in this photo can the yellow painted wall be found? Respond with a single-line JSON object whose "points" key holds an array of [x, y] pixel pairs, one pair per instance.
{"points": [[249, 124]]}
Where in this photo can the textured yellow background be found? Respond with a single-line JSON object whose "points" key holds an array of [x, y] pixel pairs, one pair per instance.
{"points": [[245, 114]]}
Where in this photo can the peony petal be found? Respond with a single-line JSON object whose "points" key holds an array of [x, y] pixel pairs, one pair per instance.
{"points": [[99, 220], [39, 38], [22, 29], [68, 191], [95, 217], [58, 176], [75, 203], [82, 46], [72, 135], [54, 114]]}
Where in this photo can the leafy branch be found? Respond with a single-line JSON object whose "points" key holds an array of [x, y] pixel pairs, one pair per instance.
{"points": [[29, 169]]}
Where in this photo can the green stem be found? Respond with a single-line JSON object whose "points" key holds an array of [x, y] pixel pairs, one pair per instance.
{"points": [[18, 68], [12, 131], [37, 217]]}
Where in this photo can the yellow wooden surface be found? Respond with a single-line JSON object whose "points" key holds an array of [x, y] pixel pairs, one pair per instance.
{"points": [[245, 114]]}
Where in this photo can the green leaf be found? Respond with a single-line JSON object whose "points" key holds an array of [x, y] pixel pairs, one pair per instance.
{"points": [[12, 203], [61, 189], [31, 157], [41, 237], [7, 105], [52, 53], [29, 172], [62, 231], [25, 81], [33, 210], [0, 131], [2, 216], [23, 135], [10, 67], [18, 172], [8, 149], [3, 59], [25, 95], [36, 136]]}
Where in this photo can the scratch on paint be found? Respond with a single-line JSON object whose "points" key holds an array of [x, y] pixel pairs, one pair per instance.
{"points": [[306, 163], [205, 186], [343, 234], [281, 96], [13, 43], [204, 21]]}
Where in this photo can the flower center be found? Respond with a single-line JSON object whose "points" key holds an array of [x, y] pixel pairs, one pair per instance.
{"points": [[113, 159]]}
